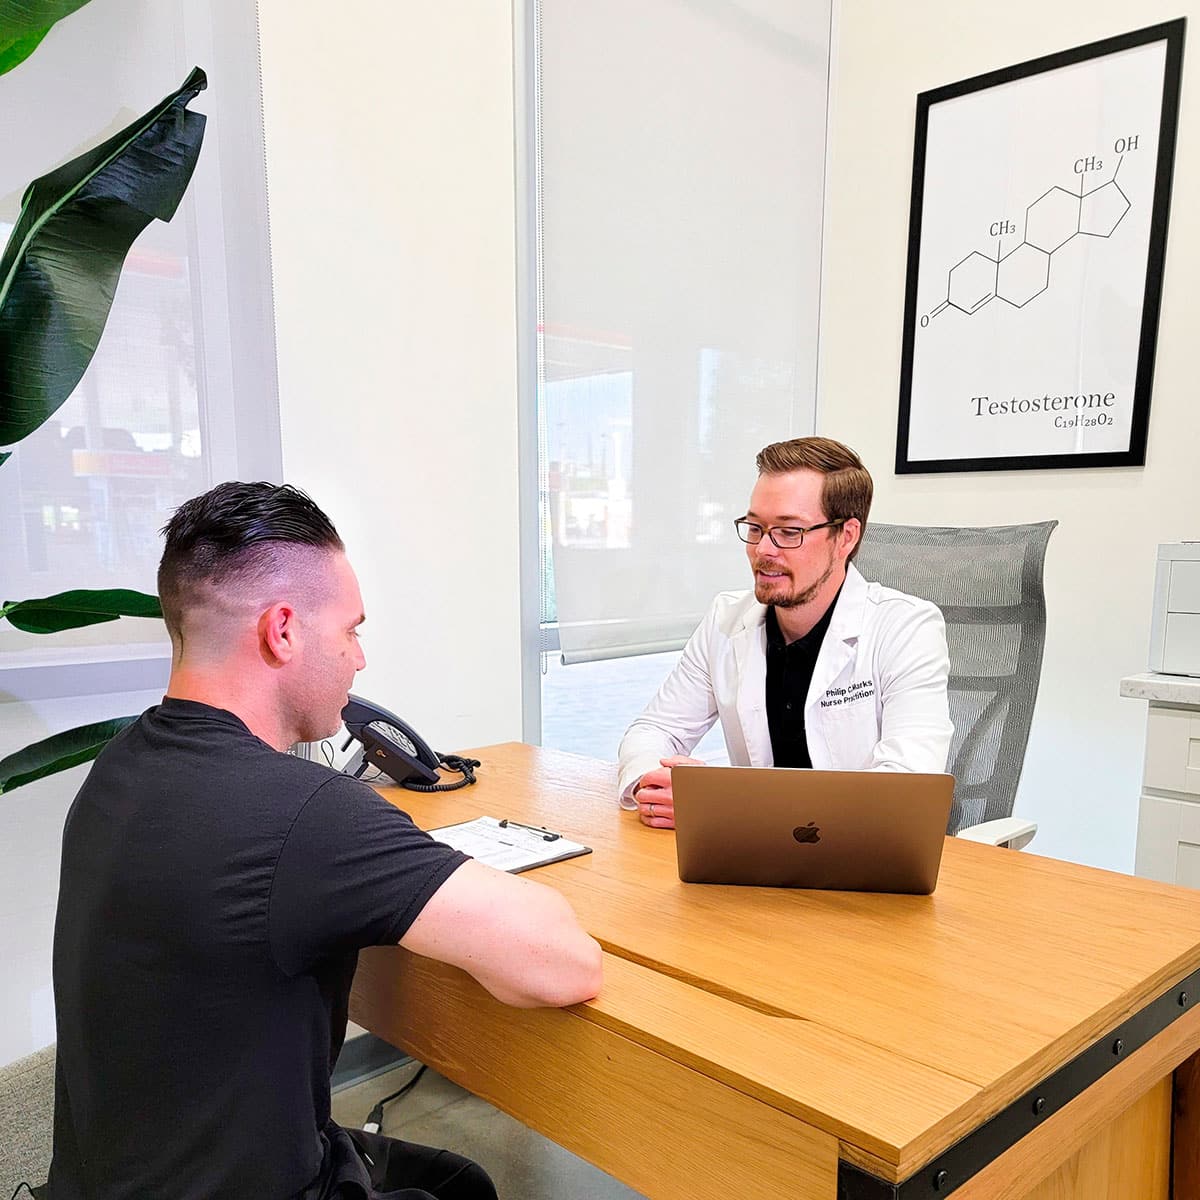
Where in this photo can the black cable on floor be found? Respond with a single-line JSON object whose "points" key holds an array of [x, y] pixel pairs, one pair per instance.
{"points": [[374, 1121]]}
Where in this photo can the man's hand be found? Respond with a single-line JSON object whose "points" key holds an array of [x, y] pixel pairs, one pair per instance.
{"points": [[656, 804]]}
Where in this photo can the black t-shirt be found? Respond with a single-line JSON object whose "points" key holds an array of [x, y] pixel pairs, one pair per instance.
{"points": [[213, 899], [789, 673]]}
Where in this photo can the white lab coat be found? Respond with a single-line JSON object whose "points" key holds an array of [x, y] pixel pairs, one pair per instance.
{"points": [[877, 701]]}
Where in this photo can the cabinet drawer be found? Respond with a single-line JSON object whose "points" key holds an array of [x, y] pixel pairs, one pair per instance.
{"points": [[1184, 593], [1181, 645], [1168, 840], [1173, 750]]}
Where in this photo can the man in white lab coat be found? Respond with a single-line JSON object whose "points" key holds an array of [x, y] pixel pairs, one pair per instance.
{"points": [[815, 667]]}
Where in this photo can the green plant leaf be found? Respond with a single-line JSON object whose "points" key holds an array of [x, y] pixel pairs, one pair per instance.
{"points": [[58, 752], [5, 457], [23, 24], [72, 610], [59, 271], [13, 54]]}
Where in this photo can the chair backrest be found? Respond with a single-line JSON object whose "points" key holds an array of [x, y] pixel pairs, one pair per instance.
{"points": [[988, 583], [26, 1120]]}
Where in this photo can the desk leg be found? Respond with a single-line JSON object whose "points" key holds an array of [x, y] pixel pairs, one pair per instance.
{"points": [[1113, 1140], [1185, 1150], [1129, 1159]]}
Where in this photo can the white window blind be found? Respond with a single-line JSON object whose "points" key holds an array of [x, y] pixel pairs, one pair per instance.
{"points": [[182, 390], [681, 151]]}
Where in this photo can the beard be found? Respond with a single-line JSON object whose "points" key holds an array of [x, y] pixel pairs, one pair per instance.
{"points": [[767, 593]]}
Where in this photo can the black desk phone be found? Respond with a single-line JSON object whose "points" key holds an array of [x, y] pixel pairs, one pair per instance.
{"points": [[398, 750]]}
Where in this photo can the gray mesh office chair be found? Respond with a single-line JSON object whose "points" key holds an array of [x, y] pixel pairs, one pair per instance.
{"points": [[988, 583], [26, 1121]]}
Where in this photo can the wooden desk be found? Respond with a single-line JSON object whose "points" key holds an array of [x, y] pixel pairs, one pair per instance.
{"points": [[816, 1045]]}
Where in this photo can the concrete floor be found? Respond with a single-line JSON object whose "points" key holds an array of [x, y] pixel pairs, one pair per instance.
{"points": [[523, 1165]]}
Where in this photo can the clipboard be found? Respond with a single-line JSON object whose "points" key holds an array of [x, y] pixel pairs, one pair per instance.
{"points": [[508, 845]]}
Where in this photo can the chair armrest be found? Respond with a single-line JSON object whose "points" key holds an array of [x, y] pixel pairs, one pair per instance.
{"points": [[1013, 832]]}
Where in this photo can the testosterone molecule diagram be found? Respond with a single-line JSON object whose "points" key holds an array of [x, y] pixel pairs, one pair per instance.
{"points": [[1051, 221]]}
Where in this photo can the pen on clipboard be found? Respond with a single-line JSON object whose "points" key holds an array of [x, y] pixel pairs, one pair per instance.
{"points": [[548, 835]]}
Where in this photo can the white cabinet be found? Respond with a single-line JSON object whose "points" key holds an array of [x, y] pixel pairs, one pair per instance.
{"points": [[1168, 841]]}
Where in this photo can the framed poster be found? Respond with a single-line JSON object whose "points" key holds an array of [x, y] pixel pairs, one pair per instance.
{"points": [[1035, 259]]}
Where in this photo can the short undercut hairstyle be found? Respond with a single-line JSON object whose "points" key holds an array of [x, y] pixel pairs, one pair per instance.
{"points": [[233, 537], [846, 490]]}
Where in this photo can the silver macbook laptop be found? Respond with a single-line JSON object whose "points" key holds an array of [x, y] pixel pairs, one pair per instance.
{"points": [[854, 831]]}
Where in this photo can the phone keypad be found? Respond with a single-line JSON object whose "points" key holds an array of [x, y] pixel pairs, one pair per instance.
{"points": [[401, 739]]}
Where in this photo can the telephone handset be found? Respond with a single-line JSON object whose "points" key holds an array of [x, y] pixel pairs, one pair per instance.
{"points": [[397, 749]]}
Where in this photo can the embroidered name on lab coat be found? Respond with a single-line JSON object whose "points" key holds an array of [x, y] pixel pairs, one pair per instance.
{"points": [[852, 693]]}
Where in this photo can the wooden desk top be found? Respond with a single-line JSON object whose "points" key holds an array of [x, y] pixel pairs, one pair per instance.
{"points": [[895, 1023]]}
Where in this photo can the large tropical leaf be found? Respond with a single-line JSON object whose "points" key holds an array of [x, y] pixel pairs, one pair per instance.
{"points": [[71, 610], [58, 752], [23, 24], [59, 271]]}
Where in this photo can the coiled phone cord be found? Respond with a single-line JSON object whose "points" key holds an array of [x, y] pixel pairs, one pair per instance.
{"points": [[453, 762]]}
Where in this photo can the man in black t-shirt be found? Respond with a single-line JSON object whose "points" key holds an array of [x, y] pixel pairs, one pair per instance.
{"points": [[215, 893]]}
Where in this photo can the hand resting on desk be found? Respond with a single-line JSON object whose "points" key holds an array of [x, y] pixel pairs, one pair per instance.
{"points": [[655, 801]]}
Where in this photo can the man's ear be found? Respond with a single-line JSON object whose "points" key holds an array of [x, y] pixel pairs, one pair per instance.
{"points": [[277, 634], [851, 534]]}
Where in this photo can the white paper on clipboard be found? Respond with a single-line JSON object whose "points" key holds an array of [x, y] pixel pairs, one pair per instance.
{"points": [[508, 847]]}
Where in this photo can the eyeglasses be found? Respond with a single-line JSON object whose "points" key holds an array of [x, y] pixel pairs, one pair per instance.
{"points": [[786, 537]]}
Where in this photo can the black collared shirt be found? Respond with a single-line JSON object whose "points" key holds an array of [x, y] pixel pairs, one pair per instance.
{"points": [[789, 672]]}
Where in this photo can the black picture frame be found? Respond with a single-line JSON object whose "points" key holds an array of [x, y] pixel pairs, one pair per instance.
{"points": [[1172, 34]]}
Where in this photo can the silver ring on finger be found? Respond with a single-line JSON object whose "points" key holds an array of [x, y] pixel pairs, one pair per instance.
{"points": [[651, 810]]}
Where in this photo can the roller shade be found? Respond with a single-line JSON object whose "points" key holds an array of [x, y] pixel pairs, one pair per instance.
{"points": [[681, 166]]}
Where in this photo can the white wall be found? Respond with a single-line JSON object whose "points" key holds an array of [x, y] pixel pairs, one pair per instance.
{"points": [[1083, 768], [389, 139]]}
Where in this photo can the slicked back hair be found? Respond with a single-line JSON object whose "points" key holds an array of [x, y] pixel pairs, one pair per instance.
{"points": [[846, 489], [233, 537]]}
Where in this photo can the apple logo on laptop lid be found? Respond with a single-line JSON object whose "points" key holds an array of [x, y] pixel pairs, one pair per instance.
{"points": [[807, 833]]}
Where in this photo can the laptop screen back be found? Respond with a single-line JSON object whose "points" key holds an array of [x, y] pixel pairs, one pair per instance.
{"points": [[863, 831]]}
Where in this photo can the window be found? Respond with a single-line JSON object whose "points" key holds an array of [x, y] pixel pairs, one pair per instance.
{"points": [[181, 392], [677, 229]]}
